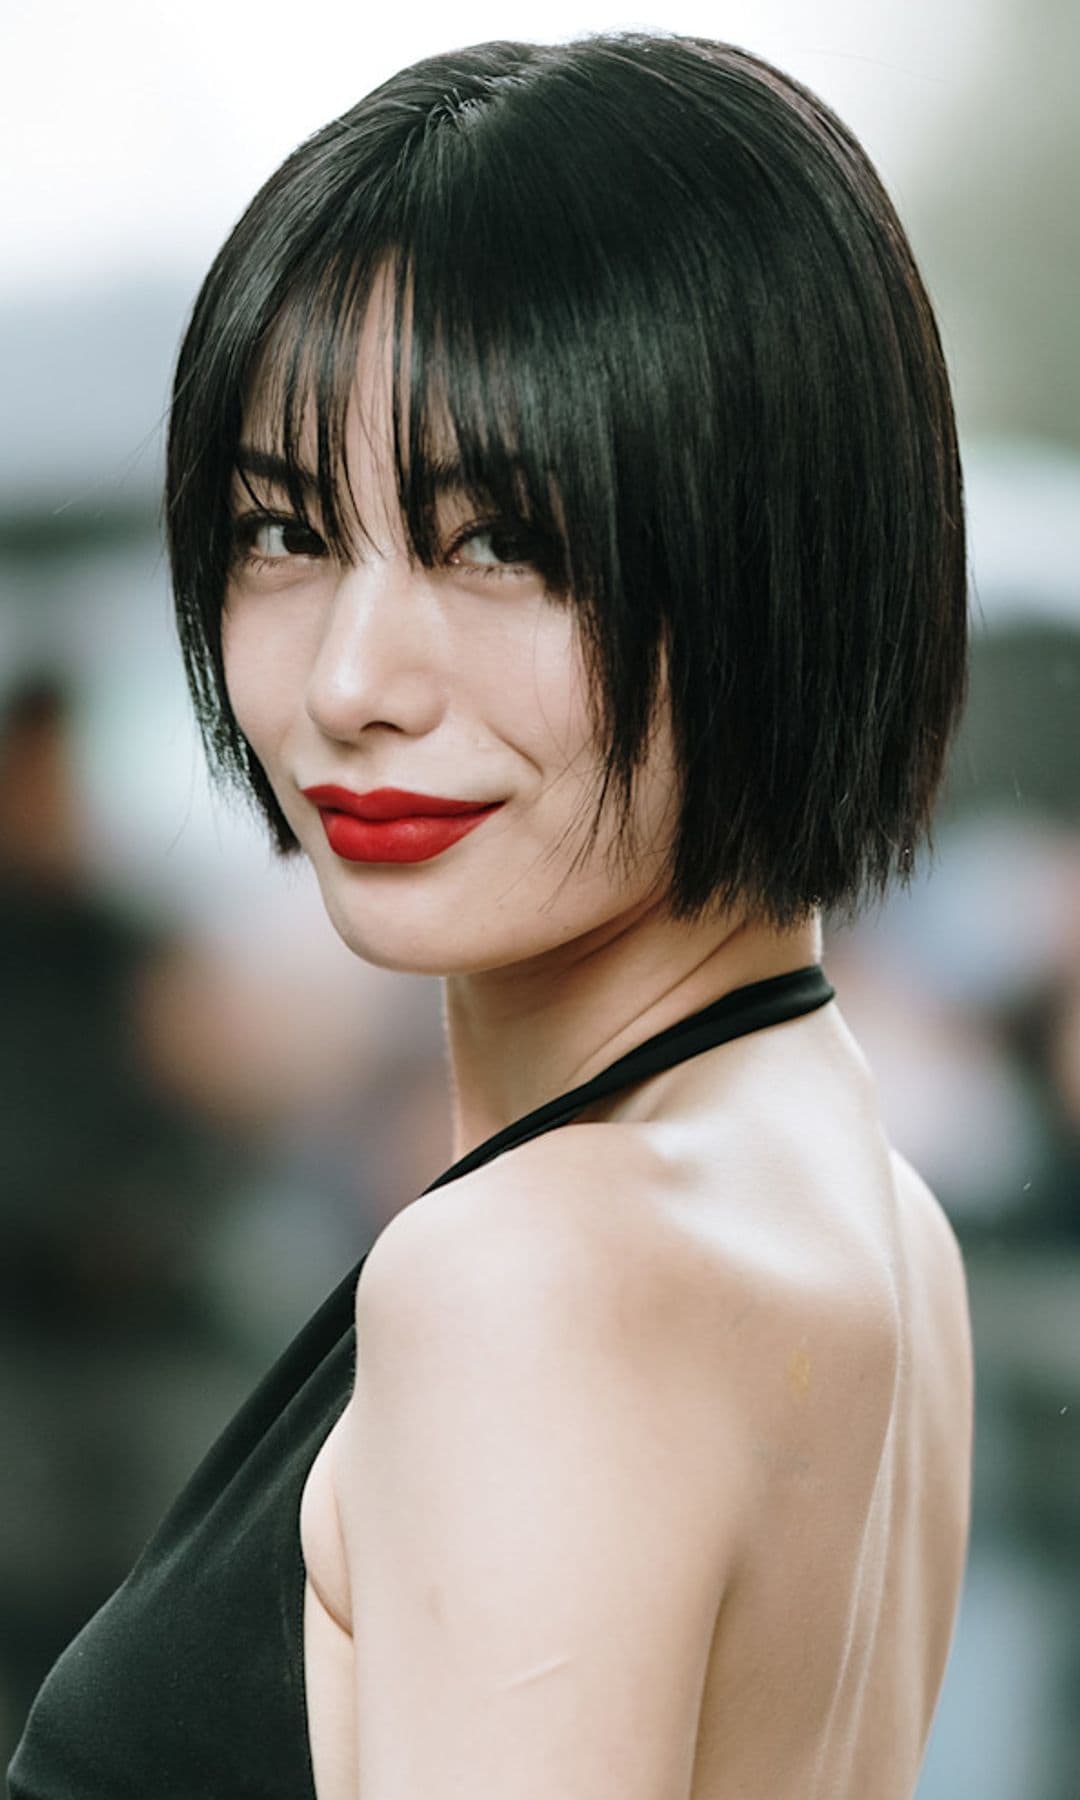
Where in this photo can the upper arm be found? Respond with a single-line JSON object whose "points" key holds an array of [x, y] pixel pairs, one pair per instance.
{"points": [[538, 1524]]}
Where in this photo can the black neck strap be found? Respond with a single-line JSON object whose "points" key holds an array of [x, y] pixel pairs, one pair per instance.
{"points": [[744, 1009]]}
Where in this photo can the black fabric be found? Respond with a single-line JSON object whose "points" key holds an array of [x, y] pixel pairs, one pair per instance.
{"points": [[188, 1684]]}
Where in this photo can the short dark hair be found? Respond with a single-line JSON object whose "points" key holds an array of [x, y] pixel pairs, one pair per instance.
{"points": [[668, 307]]}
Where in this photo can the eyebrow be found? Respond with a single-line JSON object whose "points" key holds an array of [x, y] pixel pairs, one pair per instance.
{"points": [[445, 472], [264, 463]]}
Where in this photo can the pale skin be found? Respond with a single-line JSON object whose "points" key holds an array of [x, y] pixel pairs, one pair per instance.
{"points": [[654, 1481]]}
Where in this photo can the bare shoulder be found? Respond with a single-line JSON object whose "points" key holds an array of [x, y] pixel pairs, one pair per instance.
{"points": [[542, 1504], [572, 1222], [699, 1291]]}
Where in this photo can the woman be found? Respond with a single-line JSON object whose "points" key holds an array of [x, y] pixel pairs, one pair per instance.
{"points": [[566, 530]]}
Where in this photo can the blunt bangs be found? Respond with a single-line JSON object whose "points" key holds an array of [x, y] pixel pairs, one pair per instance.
{"points": [[646, 294]]}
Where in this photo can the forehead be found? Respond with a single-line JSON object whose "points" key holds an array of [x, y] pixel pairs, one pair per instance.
{"points": [[299, 370], [297, 355]]}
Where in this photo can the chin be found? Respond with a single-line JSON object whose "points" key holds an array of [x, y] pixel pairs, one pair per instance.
{"points": [[437, 937], [377, 931]]}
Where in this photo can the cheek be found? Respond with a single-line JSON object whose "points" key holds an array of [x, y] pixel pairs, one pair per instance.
{"points": [[235, 658], [250, 681], [548, 706]]}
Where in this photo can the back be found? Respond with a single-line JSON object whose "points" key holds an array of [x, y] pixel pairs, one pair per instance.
{"points": [[852, 1342]]}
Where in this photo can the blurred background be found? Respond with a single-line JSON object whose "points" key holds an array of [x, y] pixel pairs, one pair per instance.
{"points": [[209, 1108]]}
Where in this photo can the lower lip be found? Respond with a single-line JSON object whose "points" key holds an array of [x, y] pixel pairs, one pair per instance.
{"points": [[414, 838]]}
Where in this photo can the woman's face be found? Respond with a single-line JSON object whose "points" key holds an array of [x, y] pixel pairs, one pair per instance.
{"points": [[463, 681]]}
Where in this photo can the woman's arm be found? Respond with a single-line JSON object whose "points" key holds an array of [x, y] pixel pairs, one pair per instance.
{"points": [[537, 1531]]}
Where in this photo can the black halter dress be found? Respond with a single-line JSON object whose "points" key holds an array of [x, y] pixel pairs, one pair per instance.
{"points": [[188, 1684]]}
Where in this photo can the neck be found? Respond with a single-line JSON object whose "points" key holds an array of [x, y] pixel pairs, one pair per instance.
{"points": [[520, 1035]]}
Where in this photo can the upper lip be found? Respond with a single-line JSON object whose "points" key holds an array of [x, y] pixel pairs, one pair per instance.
{"points": [[390, 803]]}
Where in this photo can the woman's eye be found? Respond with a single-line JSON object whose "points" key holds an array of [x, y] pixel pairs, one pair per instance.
{"points": [[262, 539], [494, 550]]}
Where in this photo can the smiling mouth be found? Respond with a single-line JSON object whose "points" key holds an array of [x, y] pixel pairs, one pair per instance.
{"points": [[403, 838]]}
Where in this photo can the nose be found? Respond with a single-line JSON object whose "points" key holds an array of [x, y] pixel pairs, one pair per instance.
{"points": [[377, 659]]}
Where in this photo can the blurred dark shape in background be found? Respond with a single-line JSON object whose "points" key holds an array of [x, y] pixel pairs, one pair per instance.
{"points": [[107, 1188], [103, 1182], [977, 965]]}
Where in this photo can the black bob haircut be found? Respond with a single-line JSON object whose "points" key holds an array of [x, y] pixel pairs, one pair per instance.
{"points": [[668, 307]]}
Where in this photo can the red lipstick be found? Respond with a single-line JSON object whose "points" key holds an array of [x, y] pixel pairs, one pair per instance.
{"points": [[394, 824]]}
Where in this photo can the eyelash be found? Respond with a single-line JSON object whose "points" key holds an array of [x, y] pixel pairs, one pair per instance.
{"points": [[247, 525]]}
